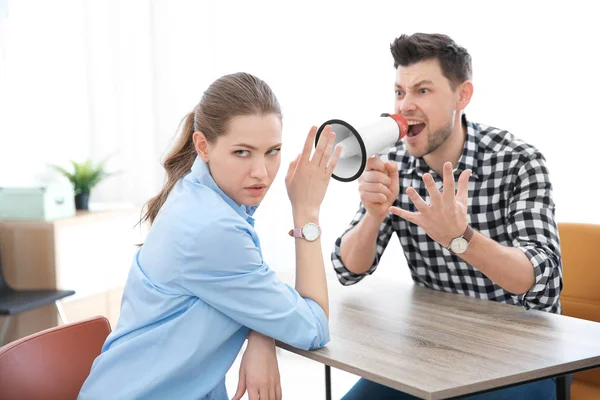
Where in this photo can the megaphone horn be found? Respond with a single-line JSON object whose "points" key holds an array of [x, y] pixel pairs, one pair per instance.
{"points": [[360, 144]]}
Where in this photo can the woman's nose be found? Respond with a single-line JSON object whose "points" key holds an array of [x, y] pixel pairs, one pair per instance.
{"points": [[259, 168]]}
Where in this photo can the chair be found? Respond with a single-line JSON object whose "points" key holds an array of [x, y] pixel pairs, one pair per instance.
{"points": [[51, 364], [14, 301], [580, 297]]}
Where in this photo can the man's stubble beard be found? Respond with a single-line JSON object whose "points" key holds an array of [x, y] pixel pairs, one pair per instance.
{"points": [[436, 139]]}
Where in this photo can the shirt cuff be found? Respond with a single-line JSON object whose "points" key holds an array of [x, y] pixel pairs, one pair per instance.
{"points": [[322, 324], [537, 297], [537, 258]]}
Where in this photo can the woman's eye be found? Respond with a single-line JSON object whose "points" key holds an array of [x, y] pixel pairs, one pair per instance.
{"points": [[273, 151], [242, 153]]}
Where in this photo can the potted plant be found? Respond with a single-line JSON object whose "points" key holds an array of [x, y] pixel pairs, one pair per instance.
{"points": [[84, 177]]}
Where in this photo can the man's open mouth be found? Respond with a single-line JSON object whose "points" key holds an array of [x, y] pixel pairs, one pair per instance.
{"points": [[414, 128]]}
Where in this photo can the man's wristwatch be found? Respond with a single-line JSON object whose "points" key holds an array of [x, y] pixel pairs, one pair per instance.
{"points": [[461, 244], [310, 232]]}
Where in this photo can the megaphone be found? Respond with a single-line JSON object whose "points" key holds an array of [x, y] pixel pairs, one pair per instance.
{"points": [[360, 144]]}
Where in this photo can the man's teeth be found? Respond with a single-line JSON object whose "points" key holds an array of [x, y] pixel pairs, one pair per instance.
{"points": [[410, 125]]}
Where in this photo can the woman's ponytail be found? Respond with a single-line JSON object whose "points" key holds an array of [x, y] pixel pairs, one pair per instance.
{"points": [[178, 162]]}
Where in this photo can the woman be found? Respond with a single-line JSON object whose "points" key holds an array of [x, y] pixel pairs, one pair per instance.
{"points": [[199, 286]]}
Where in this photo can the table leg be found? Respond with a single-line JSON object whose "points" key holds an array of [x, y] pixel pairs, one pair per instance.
{"points": [[562, 388], [328, 382]]}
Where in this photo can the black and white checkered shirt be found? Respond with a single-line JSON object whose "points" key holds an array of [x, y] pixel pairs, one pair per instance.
{"points": [[510, 201]]}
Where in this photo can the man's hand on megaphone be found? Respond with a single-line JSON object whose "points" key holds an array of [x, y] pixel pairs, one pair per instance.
{"points": [[378, 187], [307, 178]]}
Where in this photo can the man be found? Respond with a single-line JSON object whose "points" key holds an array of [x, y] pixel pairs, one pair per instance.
{"points": [[490, 235]]}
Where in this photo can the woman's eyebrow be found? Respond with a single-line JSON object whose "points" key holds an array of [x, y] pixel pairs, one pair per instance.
{"points": [[252, 147]]}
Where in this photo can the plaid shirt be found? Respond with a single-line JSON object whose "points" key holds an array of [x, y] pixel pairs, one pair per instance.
{"points": [[510, 201]]}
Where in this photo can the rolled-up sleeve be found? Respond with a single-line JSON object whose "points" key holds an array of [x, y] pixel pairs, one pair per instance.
{"points": [[532, 228], [224, 268]]}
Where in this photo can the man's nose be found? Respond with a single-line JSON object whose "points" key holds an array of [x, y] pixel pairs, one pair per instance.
{"points": [[407, 105]]}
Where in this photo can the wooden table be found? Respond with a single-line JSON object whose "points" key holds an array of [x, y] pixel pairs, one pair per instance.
{"points": [[437, 345]]}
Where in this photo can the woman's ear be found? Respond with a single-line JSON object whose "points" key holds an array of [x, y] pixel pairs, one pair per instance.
{"points": [[201, 145], [465, 92]]}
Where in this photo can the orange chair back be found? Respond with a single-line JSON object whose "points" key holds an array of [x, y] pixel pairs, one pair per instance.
{"points": [[580, 297], [51, 364]]}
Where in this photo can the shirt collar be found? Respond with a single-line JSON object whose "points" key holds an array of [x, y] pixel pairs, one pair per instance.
{"points": [[201, 173], [467, 160]]}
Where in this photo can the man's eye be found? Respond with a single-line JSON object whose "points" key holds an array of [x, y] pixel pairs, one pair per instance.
{"points": [[242, 153], [398, 92], [423, 90]]}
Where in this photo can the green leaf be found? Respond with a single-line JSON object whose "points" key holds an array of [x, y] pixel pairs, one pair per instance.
{"points": [[85, 175]]}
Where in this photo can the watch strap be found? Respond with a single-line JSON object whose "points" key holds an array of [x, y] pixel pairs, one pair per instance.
{"points": [[468, 235], [296, 232]]}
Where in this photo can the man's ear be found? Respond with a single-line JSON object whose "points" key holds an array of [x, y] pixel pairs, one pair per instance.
{"points": [[201, 145], [465, 92]]}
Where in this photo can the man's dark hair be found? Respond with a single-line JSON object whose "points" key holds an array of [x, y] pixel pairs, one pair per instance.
{"points": [[454, 60]]}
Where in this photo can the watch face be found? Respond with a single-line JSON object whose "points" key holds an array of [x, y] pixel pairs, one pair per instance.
{"points": [[459, 245], [310, 231]]}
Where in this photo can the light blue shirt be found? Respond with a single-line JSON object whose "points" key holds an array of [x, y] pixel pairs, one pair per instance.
{"points": [[196, 287]]}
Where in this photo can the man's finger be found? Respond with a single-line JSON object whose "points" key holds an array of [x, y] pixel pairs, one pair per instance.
{"points": [[417, 200], [407, 215], [377, 198], [390, 169], [448, 182], [375, 164], [375, 188], [392, 172], [462, 194], [377, 177], [432, 189]]}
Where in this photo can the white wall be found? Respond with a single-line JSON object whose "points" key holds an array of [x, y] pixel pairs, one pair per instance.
{"points": [[95, 78]]}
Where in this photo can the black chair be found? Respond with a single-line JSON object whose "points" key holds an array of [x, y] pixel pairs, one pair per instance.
{"points": [[14, 301]]}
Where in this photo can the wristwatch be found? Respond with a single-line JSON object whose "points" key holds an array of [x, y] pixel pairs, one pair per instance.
{"points": [[461, 244], [310, 232]]}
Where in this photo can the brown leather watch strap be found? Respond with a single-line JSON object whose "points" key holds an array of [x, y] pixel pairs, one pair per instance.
{"points": [[468, 235]]}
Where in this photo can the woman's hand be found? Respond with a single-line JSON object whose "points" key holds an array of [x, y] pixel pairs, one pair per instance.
{"points": [[259, 372], [307, 178]]}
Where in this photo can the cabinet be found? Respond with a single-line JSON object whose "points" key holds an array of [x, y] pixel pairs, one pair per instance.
{"points": [[90, 253]]}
